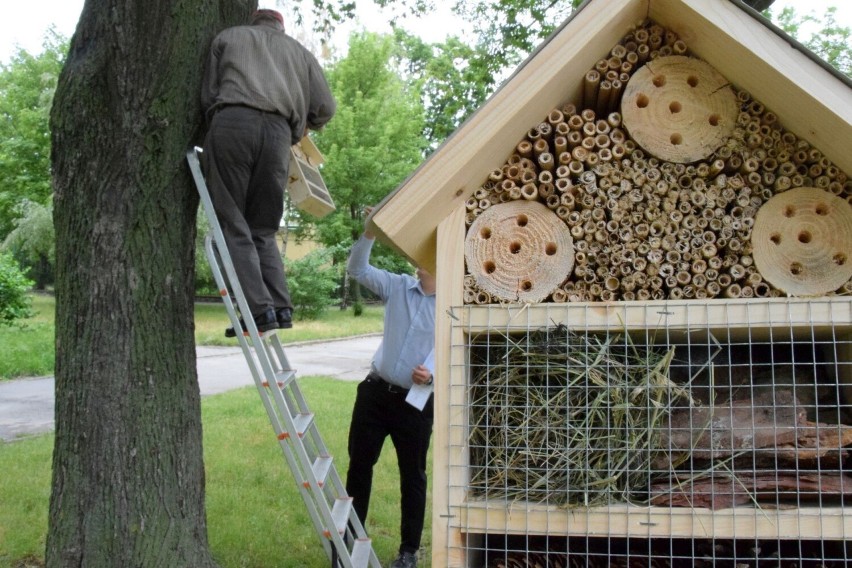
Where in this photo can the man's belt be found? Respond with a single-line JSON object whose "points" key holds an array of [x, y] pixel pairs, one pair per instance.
{"points": [[380, 382]]}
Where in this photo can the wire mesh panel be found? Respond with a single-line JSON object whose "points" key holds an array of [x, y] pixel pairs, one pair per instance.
{"points": [[660, 434]]}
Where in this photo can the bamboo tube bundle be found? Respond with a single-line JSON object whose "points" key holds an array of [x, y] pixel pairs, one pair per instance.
{"points": [[584, 161]]}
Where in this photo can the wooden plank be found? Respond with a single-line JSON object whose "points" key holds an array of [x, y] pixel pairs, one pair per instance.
{"points": [[448, 442], [493, 517], [550, 77], [809, 101], [753, 317]]}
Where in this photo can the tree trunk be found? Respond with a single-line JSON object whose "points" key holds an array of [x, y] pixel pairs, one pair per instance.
{"points": [[128, 474]]}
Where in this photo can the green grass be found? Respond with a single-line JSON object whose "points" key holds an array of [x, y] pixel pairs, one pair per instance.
{"points": [[28, 350], [255, 514], [211, 319]]}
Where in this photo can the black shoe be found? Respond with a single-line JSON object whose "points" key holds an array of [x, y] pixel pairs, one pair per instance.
{"points": [[404, 560], [284, 317], [264, 322]]}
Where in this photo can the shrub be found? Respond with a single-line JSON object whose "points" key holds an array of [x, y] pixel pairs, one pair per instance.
{"points": [[313, 281], [15, 304]]}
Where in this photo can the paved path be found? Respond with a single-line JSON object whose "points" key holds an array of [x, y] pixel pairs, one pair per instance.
{"points": [[26, 405]]}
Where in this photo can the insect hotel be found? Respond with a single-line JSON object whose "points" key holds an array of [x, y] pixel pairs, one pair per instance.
{"points": [[644, 333]]}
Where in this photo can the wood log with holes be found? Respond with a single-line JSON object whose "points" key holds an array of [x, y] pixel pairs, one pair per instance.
{"points": [[679, 108], [519, 251], [802, 240]]}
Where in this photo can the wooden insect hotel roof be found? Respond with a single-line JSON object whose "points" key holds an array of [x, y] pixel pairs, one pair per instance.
{"points": [[810, 99]]}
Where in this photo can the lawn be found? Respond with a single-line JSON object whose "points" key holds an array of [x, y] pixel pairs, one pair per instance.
{"points": [[28, 350], [249, 487]]}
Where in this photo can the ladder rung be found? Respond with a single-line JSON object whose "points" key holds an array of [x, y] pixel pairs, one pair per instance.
{"points": [[340, 515], [302, 422], [283, 379], [322, 465], [361, 550]]}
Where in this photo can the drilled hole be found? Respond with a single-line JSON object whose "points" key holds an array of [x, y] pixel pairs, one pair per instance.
{"points": [[489, 267], [692, 81], [840, 259], [822, 209], [676, 139], [796, 269], [522, 220], [485, 233], [714, 120], [526, 285], [642, 100], [789, 211], [659, 81], [515, 247], [805, 237], [675, 107], [550, 249], [775, 238]]}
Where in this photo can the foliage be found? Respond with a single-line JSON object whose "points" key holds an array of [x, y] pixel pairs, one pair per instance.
{"points": [[27, 84], [453, 80], [14, 302], [205, 283], [832, 43], [312, 281], [372, 143], [33, 240]]}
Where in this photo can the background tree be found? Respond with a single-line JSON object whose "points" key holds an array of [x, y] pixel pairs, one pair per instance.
{"points": [[832, 42], [27, 84], [128, 475], [372, 144], [14, 303], [33, 241], [453, 80]]}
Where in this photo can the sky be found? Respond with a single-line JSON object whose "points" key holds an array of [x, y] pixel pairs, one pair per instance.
{"points": [[25, 23]]}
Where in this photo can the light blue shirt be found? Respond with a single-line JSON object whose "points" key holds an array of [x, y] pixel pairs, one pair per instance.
{"points": [[409, 333]]}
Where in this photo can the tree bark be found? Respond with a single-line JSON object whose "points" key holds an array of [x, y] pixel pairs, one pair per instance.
{"points": [[128, 473]]}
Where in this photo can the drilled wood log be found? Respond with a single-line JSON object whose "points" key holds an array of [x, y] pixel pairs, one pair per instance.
{"points": [[519, 251], [678, 108]]}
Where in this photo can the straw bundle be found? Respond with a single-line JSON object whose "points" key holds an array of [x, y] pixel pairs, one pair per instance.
{"points": [[569, 419]]}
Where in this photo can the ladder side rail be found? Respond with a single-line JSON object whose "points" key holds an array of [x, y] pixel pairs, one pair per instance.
{"points": [[224, 261], [221, 246], [217, 261], [284, 437]]}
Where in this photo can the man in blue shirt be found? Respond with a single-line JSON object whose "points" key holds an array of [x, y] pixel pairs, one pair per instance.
{"points": [[404, 359]]}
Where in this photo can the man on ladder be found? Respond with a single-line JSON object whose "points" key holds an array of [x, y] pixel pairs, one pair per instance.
{"points": [[262, 91]]}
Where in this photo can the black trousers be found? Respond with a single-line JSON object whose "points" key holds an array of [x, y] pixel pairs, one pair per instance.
{"points": [[380, 413], [246, 159]]}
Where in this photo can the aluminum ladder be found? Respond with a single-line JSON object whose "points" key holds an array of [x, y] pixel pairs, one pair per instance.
{"points": [[330, 508]]}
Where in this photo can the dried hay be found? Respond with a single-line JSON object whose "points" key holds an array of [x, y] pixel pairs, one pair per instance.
{"points": [[568, 419]]}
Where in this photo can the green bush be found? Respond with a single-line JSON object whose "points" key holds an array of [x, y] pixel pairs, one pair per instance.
{"points": [[313, 281], [15, 304]]}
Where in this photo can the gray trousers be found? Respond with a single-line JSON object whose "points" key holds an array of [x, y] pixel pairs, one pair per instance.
{"points": [[246, 160]]}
